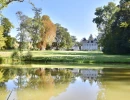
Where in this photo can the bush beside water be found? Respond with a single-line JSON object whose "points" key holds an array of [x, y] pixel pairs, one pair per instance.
{"points": [[17, 55], [28, 56]]}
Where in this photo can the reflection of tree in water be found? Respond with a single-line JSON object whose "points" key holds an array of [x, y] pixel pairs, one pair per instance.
{"points": [[45, 83], [5, 75], [2, 79], [114, 84], [1, 76], [63, 77], [101, 93], [36, 84], [21, 78]]}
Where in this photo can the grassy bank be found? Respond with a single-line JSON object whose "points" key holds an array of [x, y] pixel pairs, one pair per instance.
{"points": [[74, 56], [64, 65], [79, 56]]}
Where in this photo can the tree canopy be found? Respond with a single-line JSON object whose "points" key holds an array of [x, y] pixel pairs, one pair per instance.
{"points": [[114, 23], [48, 32], [63, 38], [7, 26], [2, 38]]}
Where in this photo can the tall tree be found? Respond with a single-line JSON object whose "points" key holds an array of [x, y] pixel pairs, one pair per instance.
{"points": [[32, 26], [105, 18], [22, 34], [59, 36], [119, 38], [48, 32], [10, 42], [74, 40], [36, 27], [7, 26], [63, 38], [2, 38]]}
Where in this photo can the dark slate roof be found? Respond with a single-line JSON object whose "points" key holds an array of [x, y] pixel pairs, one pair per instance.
{"points": [[95, 39], [84, 39]]}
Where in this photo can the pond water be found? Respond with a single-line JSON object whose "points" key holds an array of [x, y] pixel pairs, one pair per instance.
{"points": [[64, 83]]}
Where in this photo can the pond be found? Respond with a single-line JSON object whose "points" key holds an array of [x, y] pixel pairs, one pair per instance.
{"points": [[17, 83]]}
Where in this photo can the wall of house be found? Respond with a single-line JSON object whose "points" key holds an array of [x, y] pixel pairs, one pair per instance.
{"points": [[89, 46]]}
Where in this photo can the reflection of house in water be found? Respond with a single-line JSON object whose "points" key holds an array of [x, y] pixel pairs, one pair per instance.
{"points": [[89, 74]]}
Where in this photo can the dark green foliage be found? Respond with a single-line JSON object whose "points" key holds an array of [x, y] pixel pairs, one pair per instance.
{"points": [[116, 30], [10, 42], [48, 47], [63, 38], [118, 41], [0, 60], [7, 26]]}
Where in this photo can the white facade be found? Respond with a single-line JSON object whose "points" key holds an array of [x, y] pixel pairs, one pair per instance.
{"points": [[90, 44], [89, 74]]}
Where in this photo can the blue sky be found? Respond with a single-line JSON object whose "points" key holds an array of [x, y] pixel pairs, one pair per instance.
{"points": [[75, 15]]}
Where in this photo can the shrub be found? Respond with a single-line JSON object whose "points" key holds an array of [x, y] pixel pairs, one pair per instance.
{"points": [[28, 56], [0, 60], [16, 55]]}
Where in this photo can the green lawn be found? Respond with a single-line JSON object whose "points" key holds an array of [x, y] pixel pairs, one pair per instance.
{"points": [[74, 56]]}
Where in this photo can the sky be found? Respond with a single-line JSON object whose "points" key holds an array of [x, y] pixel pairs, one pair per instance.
{"points": [[75, 15]]}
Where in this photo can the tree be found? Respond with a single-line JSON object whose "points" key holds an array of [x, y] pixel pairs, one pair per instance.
{"points": [[6, 30], [10, 42], [2, 38], [63, 38], [105, 18], [119, 38], [116, 38], [6, 26], [123, 1], [5, 3], [68, 40], [32, 26], [22, 34], [74, 40], [59, 36], [48, 32], [36, 27]]}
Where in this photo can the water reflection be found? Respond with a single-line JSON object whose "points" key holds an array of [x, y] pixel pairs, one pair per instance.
{"points": [[64, 84], [115, 84]]}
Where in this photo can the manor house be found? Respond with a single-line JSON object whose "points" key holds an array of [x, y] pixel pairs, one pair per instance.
{"points": [[90, 44]]}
